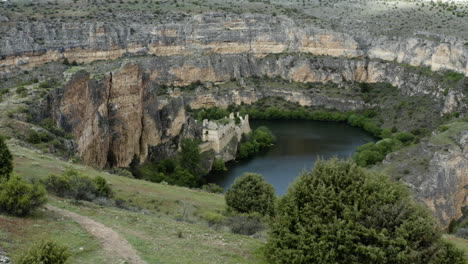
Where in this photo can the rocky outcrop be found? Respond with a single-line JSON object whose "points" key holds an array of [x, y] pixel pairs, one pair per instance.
{"points": [[437, 171], [26, 45], [117, 118]]}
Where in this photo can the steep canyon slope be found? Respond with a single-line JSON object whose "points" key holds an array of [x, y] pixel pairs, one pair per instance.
{"points": [[129, 98]]}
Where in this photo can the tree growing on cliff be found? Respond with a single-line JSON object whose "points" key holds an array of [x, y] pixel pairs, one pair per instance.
{"points": [[342, 213], [6, 161], [190, 158], [251, 194]]}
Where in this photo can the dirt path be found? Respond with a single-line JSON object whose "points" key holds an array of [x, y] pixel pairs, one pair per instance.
{"points": [[112, 243]]}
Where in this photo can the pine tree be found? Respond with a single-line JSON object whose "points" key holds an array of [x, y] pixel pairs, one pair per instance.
{"points": [[6, 161]]}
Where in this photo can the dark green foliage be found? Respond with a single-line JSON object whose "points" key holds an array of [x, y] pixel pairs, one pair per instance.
{"points": [[219, 165], [171, 172], [103, 189], [74, 63], [183, 177], [58, 185], [36, 137], [371, 153], [250, 193], [71, 184], [213, 113], [46, 252], [365, 123], [212, 188], [404, 137], [342, 213], [6, 161], [66, 62], [22, 91], [49, 124], [19, 197], [255, 142], [190, 158], [45, 84]]}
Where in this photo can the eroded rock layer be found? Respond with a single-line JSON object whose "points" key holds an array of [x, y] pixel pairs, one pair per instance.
{"points": [[26, 45]]}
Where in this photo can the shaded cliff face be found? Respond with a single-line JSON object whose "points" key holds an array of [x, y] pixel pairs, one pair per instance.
{"points": [[26, 45], [437, 171], [118, 117]]}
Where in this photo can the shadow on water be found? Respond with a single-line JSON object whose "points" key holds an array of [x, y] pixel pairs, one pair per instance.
{"points": [[299, 144]]}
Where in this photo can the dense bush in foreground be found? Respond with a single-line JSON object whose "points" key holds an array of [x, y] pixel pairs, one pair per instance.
{"points": [[250, 193], [19, 197], [46, 252], [342, 213]]}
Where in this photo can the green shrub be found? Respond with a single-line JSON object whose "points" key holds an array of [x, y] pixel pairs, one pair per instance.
{"points": [[212, 188], [386, 133], [103, 189], [342, 213], [404, 137], [250, 193], [45, 84], [255, 142], [71, 184], [6, 161], [371, 153], [59, 185], [36, 137], [19, 197], [219, 165], [47, 252], [190, 157], [22, 91]]}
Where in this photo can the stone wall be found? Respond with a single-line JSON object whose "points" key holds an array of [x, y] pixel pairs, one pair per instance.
{"points": [[217, 135]]}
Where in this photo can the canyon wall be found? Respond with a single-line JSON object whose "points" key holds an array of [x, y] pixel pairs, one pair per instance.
{"points": [[26, 45], [117, 115], [437, 171]]}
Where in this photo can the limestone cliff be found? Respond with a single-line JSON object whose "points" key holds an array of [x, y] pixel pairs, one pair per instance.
{"points": [[26, 45], [118, 117], [437, 171]]}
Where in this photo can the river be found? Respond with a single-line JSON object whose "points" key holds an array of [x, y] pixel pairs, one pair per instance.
{"points": [[299, 143]]}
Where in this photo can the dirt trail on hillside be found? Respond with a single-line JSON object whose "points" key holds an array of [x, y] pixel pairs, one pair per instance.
{"points": [[112, 243]]}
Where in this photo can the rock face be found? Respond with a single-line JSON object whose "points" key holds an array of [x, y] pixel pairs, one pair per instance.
{"points": [[26, 45], [437, 171], [119, 115], [117, 118]]}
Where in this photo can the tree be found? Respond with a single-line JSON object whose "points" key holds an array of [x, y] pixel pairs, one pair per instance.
{"points": [[190, 157], [250, 193], [342, 213], [6, 161]]}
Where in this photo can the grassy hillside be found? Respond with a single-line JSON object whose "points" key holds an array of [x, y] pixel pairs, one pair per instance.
{"points": [[165, 224]]}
